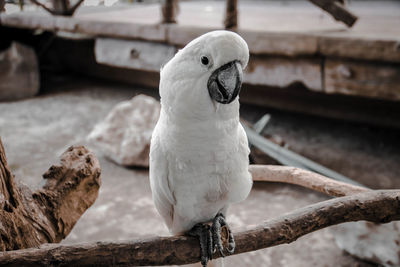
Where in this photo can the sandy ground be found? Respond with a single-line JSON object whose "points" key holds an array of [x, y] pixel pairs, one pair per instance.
{"points": [[36, 131]]}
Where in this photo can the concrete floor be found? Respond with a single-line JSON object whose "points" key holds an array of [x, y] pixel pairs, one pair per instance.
{"points": [[36, 131]]}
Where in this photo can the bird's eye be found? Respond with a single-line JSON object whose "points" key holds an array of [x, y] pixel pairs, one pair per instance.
{"points": [[204, 60]]}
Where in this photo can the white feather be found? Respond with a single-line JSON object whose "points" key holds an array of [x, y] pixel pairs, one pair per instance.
{"points": [[199, 153]]}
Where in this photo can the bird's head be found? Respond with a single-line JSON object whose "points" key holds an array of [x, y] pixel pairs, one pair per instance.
{"points": [[205, 76]]}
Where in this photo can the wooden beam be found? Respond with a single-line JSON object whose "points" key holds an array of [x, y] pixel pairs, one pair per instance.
{"points": [[231, 15], [169, 10], [369, 79], [2, 4]]}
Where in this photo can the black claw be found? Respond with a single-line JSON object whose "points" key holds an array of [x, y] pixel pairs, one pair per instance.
{"points": [[202, 231], [210, 244], [231, 245], [210, 238], [218, 223]]}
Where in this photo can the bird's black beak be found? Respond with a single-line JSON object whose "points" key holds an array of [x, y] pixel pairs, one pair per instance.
{"points": [[225, 82]]}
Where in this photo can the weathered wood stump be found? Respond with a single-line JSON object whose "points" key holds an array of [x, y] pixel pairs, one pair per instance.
{"points": [[28, 219]]}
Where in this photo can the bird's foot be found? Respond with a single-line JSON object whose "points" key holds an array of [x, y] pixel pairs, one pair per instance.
{"points": [[203, 232], [219, 225], [213, 237]]}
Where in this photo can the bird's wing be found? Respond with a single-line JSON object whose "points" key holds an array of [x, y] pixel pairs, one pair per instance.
{"points": [[243, 141], [163, 196]]}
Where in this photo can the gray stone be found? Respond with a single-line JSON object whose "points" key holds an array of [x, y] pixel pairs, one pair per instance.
{"points": [[124, 135], [19, 73], [378, 243]]}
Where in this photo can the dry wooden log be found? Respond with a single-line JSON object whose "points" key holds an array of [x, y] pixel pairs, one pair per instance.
{"points": [[337, 10], [308, 179], [376, 206], [28, 219]]}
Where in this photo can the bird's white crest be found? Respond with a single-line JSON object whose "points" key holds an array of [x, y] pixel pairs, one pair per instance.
{"points": [[183, 80], [199, 150]]}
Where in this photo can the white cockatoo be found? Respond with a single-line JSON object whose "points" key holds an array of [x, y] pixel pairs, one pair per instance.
{"points": [[199, 150]]}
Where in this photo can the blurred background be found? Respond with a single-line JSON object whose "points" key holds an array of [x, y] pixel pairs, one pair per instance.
{"points": [[326, 72]]}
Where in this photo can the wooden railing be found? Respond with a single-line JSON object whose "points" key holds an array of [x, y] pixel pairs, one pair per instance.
{"points": [[334, 7], [170, 9]]}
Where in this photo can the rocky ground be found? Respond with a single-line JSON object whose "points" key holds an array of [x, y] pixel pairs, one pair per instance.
{"points": [[37, 130]]}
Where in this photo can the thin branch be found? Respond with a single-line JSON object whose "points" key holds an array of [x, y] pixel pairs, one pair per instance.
{"points": [[376, 206], [64, 10], [43, 6], [72, 9], [337, 10], [308, 179]]}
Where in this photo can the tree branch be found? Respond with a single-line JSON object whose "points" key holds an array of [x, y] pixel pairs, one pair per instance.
{"points": [[60, 7], [337, 10], [28, 219], [308, 179], [43, 6], [376, 206], [72, 9]]}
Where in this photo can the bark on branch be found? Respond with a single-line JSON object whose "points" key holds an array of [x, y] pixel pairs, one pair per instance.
{"points": [[28, 219], [48, 9], [337, 10], [376, 206]]}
